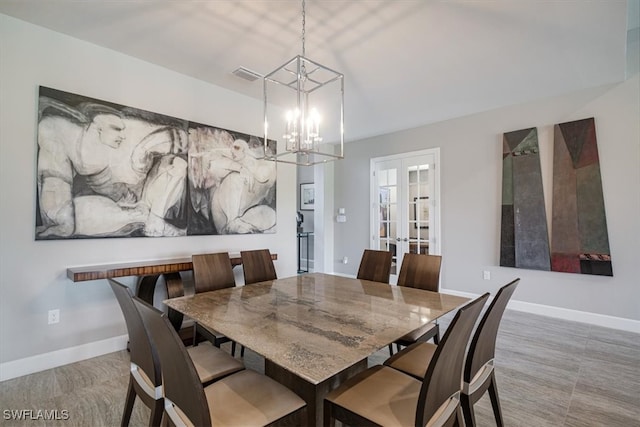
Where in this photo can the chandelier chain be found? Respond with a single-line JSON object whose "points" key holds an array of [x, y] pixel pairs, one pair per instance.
{"points": [[303, 26]]}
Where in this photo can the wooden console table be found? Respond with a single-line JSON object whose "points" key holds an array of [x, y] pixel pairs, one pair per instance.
{"points": [[148, 272]]}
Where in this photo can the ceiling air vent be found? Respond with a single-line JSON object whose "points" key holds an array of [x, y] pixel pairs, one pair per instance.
{"points": [[245, 73]]}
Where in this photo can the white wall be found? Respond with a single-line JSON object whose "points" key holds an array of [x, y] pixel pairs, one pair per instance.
{"points": [[471, 168], [33, 273]]}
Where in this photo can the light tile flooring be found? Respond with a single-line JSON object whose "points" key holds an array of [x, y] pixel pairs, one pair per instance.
{"points": [[550, 373]]}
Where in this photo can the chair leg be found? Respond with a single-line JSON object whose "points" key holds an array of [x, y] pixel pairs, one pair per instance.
{"points": [[128, 404], [459, 418], [495, 400], [391, 349], [241, 351], [467, 410], [233, 348], [156, 413], [195, 335], [436, 337]]}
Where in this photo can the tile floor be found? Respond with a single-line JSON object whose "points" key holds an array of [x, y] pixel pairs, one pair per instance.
{"points": [[550, 372]]}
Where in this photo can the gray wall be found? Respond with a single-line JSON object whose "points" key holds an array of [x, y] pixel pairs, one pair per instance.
{"points": [[33, 273], [471, 197]]}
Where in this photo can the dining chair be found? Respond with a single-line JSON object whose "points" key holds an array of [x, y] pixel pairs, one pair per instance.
{"points": [[375, 266], [245, 398], [385, 396], [257, 266], [420, 271], [145, 379], [210, 273], [478, 374]]}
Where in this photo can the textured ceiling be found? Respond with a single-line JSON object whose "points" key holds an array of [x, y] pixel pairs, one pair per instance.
{"points": [[406, 63]]}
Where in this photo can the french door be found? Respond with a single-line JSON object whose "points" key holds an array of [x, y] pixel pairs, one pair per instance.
{"points": [[405, 195]]}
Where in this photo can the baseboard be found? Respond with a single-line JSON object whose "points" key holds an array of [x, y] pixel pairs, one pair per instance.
{"points": [[612, 322], [42, 362]]}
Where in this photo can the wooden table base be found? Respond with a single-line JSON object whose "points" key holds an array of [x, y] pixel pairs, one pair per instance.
{"points": [[313, 394]]}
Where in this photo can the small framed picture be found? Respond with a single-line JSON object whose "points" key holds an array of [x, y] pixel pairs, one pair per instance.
{"points": [[307, 196]]}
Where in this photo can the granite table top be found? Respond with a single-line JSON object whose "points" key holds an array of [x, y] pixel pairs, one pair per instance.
{"points": [[315, 325]]}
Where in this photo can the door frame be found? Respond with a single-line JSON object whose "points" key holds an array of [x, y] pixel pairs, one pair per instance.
{"points": [[435, 219]]}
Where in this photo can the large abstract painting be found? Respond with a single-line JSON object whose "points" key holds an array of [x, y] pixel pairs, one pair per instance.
{"points": [[524, 237], [108, 170], [580, 242]]}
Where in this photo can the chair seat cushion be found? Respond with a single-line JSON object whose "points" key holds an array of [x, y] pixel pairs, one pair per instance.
{"points": [[415, 335], [249, 398], [413, 360], [380, 394], [212, 363]]}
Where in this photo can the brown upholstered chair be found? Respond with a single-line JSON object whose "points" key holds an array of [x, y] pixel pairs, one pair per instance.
{"points": [[145, 380], [245, 398], [257, 266], [210, 273], [387, 397], [375, 266], [479, 375], [420, 271]]}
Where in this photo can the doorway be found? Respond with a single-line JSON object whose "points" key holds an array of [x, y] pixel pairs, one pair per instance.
{"points": [[405, 201]]}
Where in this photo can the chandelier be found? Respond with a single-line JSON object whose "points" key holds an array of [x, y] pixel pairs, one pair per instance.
{"points": [[313, 120]]}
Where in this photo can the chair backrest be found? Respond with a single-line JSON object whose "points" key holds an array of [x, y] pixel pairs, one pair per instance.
{"points": [[142, 353], [212, 272], [444, 374], [257, 266], [182, 385], [420, 271], [483, 344], [375, 266]]}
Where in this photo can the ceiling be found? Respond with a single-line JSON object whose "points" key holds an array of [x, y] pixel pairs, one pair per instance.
{"points": [[406, 62]]}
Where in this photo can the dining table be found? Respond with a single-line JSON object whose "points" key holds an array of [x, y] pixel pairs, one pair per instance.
{"points": [[315, 330]]}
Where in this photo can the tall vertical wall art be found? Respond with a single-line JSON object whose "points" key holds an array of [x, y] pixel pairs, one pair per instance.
{"points": [[524, 236], [580, 242]]}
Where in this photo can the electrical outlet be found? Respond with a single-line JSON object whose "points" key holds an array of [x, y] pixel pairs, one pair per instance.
{"points": [[486, 275], [345, 260], [54, 316]]}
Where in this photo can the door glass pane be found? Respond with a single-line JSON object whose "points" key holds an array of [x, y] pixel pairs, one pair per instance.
{"points": [[387, 180], [392, 177], [382, 178], [418, 208]]}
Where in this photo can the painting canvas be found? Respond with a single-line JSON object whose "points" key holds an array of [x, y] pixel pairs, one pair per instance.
{"points": [[524, 241], [108, 170], [307, 197], [580, 242]]}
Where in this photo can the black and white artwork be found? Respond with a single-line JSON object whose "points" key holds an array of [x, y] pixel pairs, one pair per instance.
{"points": [[108, 170]]}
